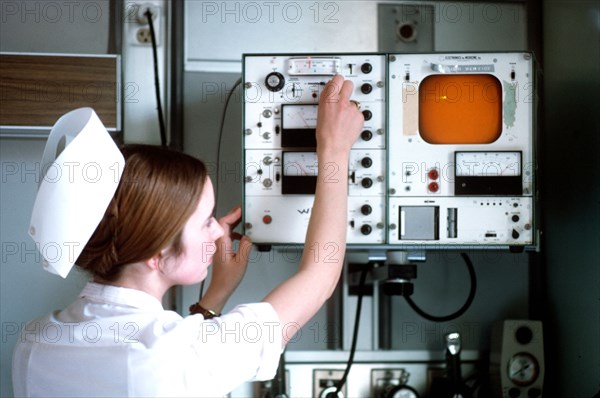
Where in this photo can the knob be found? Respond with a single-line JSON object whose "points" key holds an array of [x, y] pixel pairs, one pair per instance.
{"points": [[514, 392], [274, 81], [515, 234], [366, 162], [524, 335], [366, 209], [366, 88], [366, 182], [366, 229], [366, 135], [367, 115], [515, 218], [366, 68]]}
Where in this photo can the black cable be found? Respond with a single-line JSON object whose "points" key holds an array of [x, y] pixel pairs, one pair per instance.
{"points": [[223, 115], [161, 122], [465, 306], [361, 288]]}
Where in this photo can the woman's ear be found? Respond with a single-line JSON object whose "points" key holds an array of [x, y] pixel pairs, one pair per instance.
{"points": [[154, 262]]}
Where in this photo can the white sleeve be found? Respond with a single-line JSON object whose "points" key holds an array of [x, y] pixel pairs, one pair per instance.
{"points": [[242, 345]]}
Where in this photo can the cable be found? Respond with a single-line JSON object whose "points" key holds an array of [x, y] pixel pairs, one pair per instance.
{"points": [[161, 122], [221, 126], [361, 288], [223, 115], [465, 306]]}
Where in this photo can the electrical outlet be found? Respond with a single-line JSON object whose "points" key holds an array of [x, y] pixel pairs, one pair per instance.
{"points": [[325, 381], [137, 27], [383, 379], [143, 36]]}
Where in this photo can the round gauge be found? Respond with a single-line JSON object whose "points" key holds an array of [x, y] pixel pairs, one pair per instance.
{"points": [[402, 391], [523, 369], [275, 81]]}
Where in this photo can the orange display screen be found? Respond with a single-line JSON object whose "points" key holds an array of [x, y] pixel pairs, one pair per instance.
{"points": [[460, 109]]}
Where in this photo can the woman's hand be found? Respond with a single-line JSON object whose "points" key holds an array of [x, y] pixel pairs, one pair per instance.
{"points": [[339, 121], [229, 266]]}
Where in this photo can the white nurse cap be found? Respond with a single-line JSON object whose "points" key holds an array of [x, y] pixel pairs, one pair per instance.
{"points": [[80, 172]]}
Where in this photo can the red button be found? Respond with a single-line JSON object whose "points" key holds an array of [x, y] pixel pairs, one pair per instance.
{"points": [[267, 219], [433, 174]]}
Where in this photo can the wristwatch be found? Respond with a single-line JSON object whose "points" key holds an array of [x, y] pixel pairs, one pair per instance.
{"points": [[206, 313]]}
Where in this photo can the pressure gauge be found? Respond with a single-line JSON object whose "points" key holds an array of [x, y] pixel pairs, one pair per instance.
{"points": [[299, 116], [488, 164], [323, 66], [297, 164], [523, 369]]}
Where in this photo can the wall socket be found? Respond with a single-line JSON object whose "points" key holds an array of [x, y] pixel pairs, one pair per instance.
{"points": [[143, 36], [138, 29], [382, 380], [325, 381]]}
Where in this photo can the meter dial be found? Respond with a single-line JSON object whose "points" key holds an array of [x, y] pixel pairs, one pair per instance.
{"points": [[488, 164], [316, 66], [523, 369], [296, 164], [299, 116], [274, 81]]}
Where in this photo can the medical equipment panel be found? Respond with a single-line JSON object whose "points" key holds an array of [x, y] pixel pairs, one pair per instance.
{"points": [[281, 93], [445, 159], [461, 167]]}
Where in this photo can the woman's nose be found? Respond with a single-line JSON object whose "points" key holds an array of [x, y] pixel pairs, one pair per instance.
{"points": [[218, 230]]}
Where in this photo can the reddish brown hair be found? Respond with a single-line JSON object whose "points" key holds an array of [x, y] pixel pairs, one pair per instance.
{"points": [[158, 191]]}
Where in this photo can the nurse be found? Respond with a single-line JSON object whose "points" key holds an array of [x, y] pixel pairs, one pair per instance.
{"points": [[157, 232]]}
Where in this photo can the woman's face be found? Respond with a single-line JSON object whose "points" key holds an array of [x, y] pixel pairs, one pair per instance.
{"points": [[198, 239]]}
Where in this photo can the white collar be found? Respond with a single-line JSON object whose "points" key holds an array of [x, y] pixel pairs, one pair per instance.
{"points": [[121, 296]]}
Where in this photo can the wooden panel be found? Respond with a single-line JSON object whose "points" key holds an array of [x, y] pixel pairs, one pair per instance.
{"points": [[35, 90]]}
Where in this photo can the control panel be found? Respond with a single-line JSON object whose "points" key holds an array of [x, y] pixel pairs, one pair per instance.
{"points": [[445, 158], [280, 114]]}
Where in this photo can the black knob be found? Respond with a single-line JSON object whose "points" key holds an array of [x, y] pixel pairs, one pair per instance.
{"points": [[524, 335], [366, 209], [366, 162], [515, 218], [366, 88], [366, 229], [367, 115], [514, 392], [366, 68], [515, 234], [366, 182], [366, 135], [274, 81]]}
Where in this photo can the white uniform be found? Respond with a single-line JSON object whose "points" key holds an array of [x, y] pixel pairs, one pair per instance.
{"points": [[120, 342]]}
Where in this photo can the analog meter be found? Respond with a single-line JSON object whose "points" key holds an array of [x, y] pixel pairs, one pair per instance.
{"points": [[299, 116], [488, 164], [297, 164], [324, 66], [523, 369], [488, 173]]}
